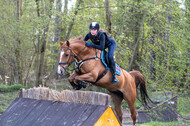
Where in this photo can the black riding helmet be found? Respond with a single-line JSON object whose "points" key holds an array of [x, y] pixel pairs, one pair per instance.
{"points": [[94, 25]]}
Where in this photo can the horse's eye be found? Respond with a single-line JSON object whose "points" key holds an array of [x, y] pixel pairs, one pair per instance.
{"points": [[66, 55]]}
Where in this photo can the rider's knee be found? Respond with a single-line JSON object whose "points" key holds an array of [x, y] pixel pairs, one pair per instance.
{"points": [[110, 57]]}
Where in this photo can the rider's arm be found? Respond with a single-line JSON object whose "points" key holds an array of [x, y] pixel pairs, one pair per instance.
{"points": [[86, 37], [102, 43]]}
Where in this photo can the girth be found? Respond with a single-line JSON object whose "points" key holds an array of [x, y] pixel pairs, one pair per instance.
{"points": [[101, 76]]}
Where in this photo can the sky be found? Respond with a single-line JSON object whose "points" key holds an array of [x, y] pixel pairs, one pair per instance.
{"points": [[182, 3]]}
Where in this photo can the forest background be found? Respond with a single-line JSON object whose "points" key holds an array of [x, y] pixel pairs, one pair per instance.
{"points": [[153, 36]]}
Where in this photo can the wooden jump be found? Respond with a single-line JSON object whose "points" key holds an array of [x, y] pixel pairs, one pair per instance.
{"points": [[46, 107]]}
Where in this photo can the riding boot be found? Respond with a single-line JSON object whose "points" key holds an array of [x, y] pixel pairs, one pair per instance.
{"points": [[114, 78]]}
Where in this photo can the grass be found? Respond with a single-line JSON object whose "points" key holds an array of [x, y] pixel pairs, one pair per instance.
{"points": [[184, 105], [6, 88], [8, 94], [6, 98], [174, 123]]}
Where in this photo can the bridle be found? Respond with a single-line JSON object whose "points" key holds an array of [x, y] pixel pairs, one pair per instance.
{"points": [[65, 63], [78, 64]]}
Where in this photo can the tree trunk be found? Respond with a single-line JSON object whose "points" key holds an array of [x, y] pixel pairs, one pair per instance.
{"points": [[167, 34], [28, 71], [73, 19], [137, 38], [3, 69], [187, 4], [60, 33], [43, 45], [42, 57], [63, 30], [18, 46], [37, 49], [57, 22], [108, 16], [152, 53]]}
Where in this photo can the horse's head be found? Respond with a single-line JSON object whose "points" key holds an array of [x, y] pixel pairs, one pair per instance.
{"points": [[70, 50], [65, 57]]}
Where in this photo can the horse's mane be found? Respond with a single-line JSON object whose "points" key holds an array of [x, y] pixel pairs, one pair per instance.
{"points": [[77, 39]]}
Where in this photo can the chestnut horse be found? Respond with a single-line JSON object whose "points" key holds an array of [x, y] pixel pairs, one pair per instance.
{"points": [[91, 67]]}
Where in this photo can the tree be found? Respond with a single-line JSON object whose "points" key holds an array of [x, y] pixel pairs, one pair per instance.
{"points": [[18, 46], [46, 16], [73, 19], [108, 16]]}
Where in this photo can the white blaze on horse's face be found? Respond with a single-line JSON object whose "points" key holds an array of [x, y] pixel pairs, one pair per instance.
{"points": [[60, 70], [61, 55]]}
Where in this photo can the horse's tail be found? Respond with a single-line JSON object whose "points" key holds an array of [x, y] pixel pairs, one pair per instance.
{"points": [[140, 81]]}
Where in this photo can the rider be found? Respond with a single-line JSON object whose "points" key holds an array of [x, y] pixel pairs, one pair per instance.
{"points": [[102, 41]]}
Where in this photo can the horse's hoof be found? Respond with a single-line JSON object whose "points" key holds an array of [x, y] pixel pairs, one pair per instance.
{"points": [[78, 88], [83, 84]]}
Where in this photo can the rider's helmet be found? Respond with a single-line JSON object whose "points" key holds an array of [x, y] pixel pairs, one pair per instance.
{"points": [[94, 25]]}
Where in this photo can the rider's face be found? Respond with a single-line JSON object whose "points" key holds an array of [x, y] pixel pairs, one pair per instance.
{"points": [[93, 31]]}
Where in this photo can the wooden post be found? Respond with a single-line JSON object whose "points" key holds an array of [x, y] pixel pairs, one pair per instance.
{"points": [[21, 93]]}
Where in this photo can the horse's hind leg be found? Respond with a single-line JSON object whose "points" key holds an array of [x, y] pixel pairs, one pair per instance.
{"points": [[130, 99], [117, 99]]}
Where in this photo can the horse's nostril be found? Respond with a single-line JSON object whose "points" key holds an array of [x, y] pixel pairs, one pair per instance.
{"points": [[61, 70]]}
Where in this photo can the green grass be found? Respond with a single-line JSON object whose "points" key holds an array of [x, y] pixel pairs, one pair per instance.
{"points": [[8, 94], [6, 98], [184, 106], [174, 123]]}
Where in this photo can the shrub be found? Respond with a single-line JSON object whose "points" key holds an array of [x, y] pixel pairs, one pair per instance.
{"points": [[5, 88]]}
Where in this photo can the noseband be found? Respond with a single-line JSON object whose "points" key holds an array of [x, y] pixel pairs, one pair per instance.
{"points": [[71, 54]]}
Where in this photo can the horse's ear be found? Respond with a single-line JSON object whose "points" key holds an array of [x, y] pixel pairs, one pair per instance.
{"points": [[68, 43], [61, 43]]}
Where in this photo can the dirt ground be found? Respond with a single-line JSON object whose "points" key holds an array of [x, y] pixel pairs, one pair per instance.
{"points": [[127, 120]]}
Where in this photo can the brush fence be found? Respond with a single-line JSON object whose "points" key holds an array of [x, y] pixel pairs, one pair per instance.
{"points": [[85, 97]]}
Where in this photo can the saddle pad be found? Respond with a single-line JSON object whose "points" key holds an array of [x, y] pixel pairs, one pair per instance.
{"points": [[118, 69]]}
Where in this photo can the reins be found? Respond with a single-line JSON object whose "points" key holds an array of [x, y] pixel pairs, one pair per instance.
{"points": [[78, 64]]}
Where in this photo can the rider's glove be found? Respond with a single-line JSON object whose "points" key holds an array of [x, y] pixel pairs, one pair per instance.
{"points": [[88, 44]]}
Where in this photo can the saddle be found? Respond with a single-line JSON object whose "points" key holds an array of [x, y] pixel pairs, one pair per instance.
{"points": [[105, 61]]}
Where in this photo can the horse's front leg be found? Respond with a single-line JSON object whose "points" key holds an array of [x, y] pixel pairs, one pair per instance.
{"points": [[71, 81], [88, 77]]}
